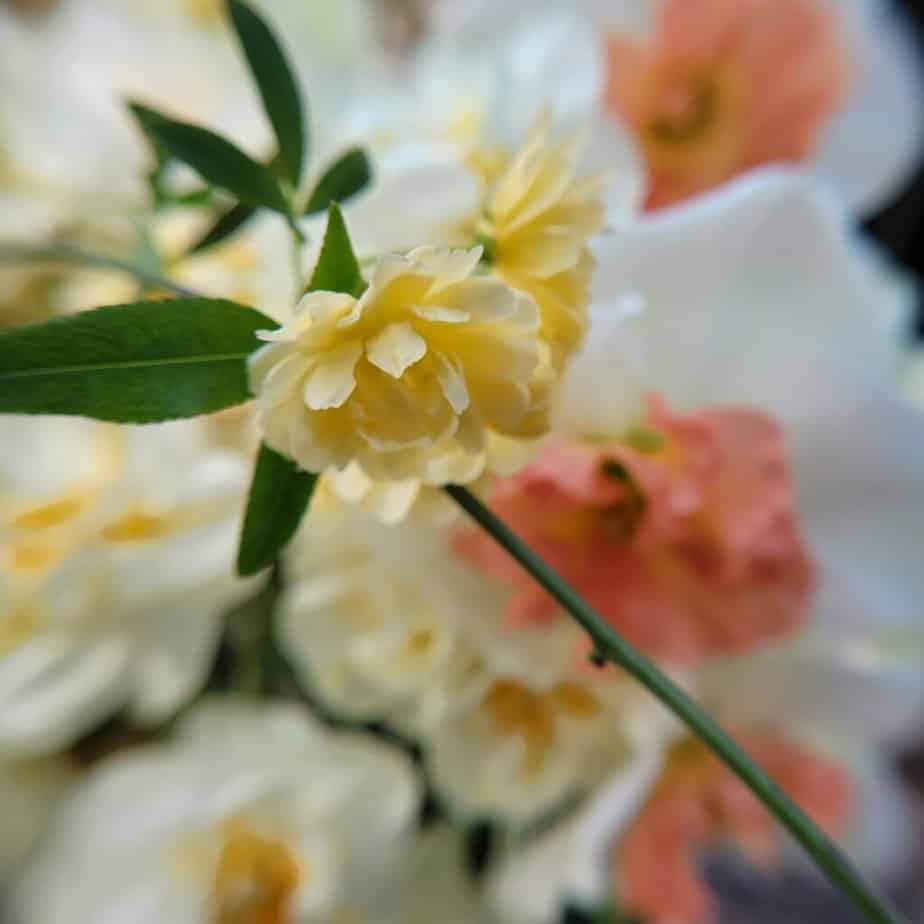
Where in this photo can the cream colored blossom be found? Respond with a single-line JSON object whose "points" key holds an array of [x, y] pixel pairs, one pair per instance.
{"points": [[114, 573], [386, 624], [407, 379], [375, 616], [539, 218], [251, 813]]}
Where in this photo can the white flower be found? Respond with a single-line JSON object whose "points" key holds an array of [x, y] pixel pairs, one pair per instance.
{"points": [[374, 617], [539, 733], [252, 813], [383, 623], [116, 557]]}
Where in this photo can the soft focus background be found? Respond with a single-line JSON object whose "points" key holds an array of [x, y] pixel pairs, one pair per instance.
{"points": [[899, 227]]}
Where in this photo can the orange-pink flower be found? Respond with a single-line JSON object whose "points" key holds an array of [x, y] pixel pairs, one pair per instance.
{"points": [[699, 804], [683, 534], [725, 85]]}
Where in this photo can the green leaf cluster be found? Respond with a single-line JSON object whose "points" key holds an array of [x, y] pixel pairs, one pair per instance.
{"points": [[274, 185]]}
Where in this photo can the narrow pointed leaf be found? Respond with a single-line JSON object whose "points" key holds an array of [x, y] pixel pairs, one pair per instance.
{"points": [[225, 225], [279, 496], [347, 176], [216, 159], [337, 269], [137, 363], [277, 86]]}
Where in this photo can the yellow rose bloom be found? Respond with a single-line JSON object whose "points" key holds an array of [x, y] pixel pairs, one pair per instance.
{"points": [[408, 379], [539, 217]]}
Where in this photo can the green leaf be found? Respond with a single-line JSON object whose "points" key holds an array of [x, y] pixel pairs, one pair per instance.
{"points": [[216, 159], [337, 269], [277, 86], [137, 363], [226, 225], [279, 496], [346, 177]]}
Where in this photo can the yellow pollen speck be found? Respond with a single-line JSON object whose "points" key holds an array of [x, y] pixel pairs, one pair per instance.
{"points": [[254, 879], [136, 526], [48, 515]]}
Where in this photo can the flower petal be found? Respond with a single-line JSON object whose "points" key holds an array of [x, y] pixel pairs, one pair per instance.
{"points": [[333, 379], [396, 348]]}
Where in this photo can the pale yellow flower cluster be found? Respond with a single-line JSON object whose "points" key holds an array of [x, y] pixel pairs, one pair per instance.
{"points": [[446, 350], [408, 379], [540, 216]]}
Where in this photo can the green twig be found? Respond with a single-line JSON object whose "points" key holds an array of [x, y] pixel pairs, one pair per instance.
{"points": [[295, 262], [67, 253], [250, 632], [609, 646]]}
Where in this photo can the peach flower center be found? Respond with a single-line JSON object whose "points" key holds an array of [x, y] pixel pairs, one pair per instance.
{"points": [[683, 534], [699, 804], [725, 85]]}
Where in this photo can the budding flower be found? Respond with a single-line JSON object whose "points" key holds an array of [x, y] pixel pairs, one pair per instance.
{"points": [[405, 380]]}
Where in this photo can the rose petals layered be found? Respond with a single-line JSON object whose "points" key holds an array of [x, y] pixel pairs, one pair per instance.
{"points": [[682, 533], [405, 380]]}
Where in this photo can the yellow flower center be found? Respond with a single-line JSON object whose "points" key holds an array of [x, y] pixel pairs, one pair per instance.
{"points": [[532, 716], [255, 878]]}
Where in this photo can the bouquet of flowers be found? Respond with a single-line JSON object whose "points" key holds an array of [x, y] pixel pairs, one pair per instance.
{"points": [[469, 481]]}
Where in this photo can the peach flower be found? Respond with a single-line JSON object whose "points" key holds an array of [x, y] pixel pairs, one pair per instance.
{"points": [[682, 534], [725, 85], [699, 804]]}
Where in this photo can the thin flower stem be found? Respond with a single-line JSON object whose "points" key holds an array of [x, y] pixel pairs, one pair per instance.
{"points": [[295, 259], [67, 253], [609, 646], [250, 634]]}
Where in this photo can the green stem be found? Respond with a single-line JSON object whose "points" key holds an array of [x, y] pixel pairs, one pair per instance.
{"points": [[610, 646], [295, 259], [67, 253], [250, 631]]}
